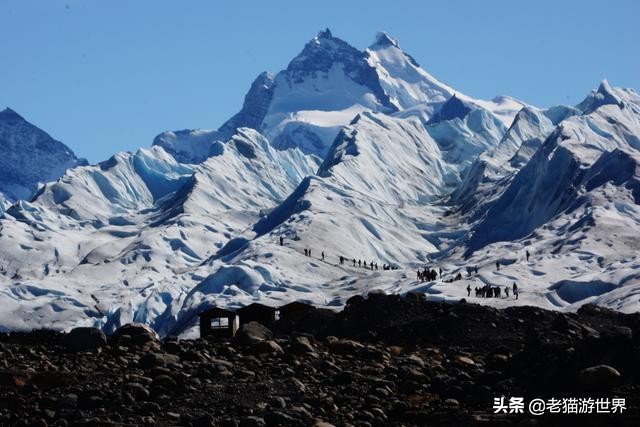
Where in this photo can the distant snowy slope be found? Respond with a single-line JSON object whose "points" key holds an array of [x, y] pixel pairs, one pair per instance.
{"points": [[102, 234], [29, 157]]}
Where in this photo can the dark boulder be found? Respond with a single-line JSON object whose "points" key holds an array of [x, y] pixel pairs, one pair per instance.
{"points": [[252, 332], [81, 339], [134, 334]]}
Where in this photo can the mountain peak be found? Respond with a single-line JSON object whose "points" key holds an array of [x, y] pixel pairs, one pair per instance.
{"points": [[324, 34], [604, 87], [322, 52], [8, 113], [604, 95], [383, 40]]}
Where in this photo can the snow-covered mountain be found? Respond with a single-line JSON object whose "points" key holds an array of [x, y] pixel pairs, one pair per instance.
{"points": [[355, 154], [322, 90], [29, 157]]}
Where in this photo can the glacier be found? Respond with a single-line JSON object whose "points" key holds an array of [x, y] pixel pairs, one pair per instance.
{"points": [[359, 155]]}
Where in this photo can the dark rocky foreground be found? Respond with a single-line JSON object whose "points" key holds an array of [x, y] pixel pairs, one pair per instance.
{"points": [[384, 361]]}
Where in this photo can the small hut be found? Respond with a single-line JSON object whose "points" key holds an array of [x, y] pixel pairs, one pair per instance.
{"points": [[218, 322], [255, 312], [293, 308]]}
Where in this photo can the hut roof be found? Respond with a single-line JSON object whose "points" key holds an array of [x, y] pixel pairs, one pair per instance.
{"points": [[217, 312], [256, 307], [295, 306]]}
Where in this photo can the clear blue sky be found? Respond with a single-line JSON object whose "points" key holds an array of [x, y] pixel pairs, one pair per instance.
{"points": [[106, 76]]}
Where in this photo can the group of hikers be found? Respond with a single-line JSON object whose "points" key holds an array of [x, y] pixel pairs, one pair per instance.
{"points": [[488, 291], [428, 275]]}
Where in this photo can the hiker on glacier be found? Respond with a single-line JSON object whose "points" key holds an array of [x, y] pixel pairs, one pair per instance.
{"points": [[515, 290]]}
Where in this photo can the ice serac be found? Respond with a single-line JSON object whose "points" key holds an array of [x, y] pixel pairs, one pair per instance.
{"points": [[190, 145], [464, 130], [604, 95], [555, 181], [121, 186], [29, 157]]}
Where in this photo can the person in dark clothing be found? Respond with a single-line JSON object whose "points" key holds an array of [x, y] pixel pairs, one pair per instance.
{"points": [[306, 252], [359, 263], [440, 272], [468, 290], [309, 252], [281, 241], [528, 254], [376, 265], [515, 290], [506, 291], [341, 260], [497, 265], [475, 269], [354, 262], [323, 255]]}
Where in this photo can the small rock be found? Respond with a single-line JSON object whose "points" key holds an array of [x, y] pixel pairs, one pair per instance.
{"points": [[138, 391], [252, 422], [301, 345], [465, 360], [152, 360], [346, 347], [67, 401], [264, 347], [451, 402], [601, 377]]}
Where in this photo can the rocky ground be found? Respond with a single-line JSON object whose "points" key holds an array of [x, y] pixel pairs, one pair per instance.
{"points": [[384, 361]]}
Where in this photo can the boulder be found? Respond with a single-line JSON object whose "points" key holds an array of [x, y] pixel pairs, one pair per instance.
{"points": [[600, 377], [344, 346], [301, 345], [82, 339], [252, 332], [152, 360], [134, 334], [264, 347]]}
